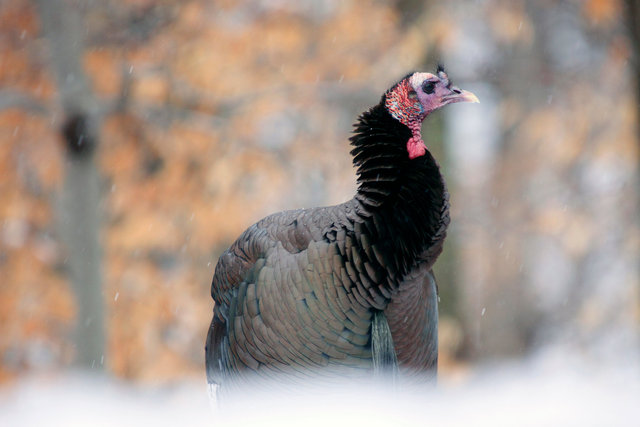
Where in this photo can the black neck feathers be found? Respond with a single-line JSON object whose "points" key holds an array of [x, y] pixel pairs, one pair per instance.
{"points": [[404, 202]]}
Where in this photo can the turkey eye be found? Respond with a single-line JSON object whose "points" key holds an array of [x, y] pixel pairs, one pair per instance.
{"points": [[428, 87]]}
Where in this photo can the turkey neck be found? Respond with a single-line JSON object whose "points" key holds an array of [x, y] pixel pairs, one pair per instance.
{"points": [[403, 202]]}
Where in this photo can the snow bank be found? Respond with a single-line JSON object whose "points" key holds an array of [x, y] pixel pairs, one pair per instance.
{"points": [[519, 395]]}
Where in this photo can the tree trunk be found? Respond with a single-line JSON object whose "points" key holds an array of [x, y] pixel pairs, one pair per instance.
{"points": [[633, 22], [77, 209]]}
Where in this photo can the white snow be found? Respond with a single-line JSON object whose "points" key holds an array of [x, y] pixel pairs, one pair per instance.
{"points": [[558, 391]]}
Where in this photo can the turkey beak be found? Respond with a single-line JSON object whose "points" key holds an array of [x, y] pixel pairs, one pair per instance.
{"points": [[459, 95]]}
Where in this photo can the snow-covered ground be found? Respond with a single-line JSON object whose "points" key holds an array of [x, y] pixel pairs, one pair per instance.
{"points": [[564, 393]]}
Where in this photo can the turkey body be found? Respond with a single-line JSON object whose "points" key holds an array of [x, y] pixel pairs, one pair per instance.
{"points": [[296, 294]]}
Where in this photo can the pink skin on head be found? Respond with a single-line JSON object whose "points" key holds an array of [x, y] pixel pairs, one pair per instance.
{"points": [[410, 102]]}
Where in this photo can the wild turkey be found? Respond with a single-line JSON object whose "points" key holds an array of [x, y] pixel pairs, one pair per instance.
{"points": [[345, 289]]}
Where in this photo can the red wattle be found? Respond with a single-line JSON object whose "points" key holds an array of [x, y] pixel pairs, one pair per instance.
{"points": [[416, 147]]}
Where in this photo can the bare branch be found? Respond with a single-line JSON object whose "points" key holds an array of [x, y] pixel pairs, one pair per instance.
{"points": [[14, 99]]}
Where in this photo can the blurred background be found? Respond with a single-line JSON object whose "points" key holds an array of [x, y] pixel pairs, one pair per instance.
{"points": [[139, 138]]}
